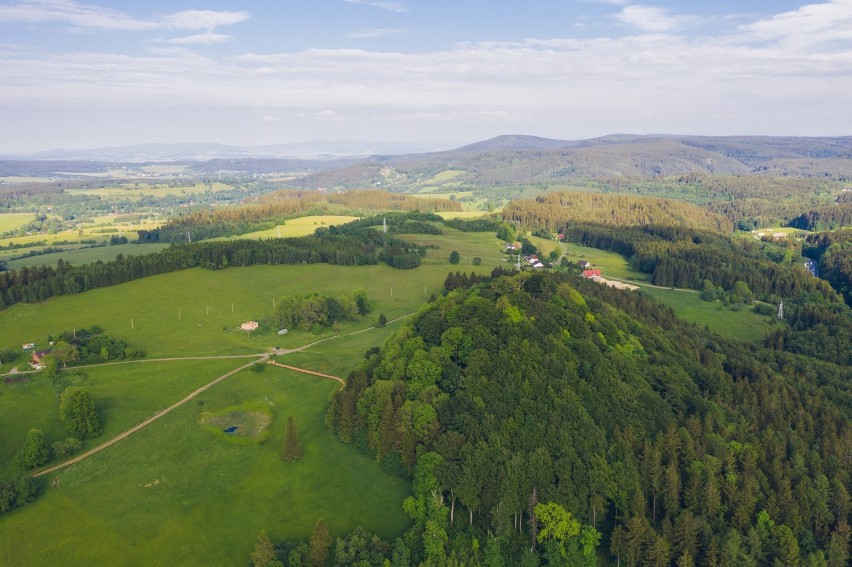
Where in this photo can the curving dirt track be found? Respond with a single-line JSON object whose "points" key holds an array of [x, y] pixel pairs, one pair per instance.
{"points": [[147, 422]]}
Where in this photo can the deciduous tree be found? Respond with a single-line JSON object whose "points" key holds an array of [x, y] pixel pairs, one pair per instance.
{"points": [[34, 452], [77, 410]]}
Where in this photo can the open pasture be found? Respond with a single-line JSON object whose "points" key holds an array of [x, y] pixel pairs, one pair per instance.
{"points": [[78, 256], [743, 324], [137, 190], [174, 494], [11, 221], [198, 312], [300, 226]]}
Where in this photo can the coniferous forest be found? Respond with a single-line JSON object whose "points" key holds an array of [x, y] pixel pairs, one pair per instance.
{"points": [[546, 420]]}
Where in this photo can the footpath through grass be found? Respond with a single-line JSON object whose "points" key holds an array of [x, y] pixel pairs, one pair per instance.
{"points": [[176, 494]]}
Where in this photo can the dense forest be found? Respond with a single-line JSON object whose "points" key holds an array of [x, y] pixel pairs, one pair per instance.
{"points": [[554, 210], [546, 420], [833, 251], [825, 218], [748, 201]]}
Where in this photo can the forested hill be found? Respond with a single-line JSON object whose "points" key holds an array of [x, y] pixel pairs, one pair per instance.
{"points": [[514, 160], [641, 439], [554, 210]]}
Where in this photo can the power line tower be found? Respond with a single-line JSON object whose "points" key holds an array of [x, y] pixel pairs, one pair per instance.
{"points": [[781, 310]]}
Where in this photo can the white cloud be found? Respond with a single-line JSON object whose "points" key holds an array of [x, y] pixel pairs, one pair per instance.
{"points": [[764, 77], [200, 39], [372, 33], [650, 19], [202, 19], [392, 6], [88, 16], [809, 26]]}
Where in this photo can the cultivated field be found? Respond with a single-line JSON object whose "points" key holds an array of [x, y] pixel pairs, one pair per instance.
{"points": [[11, 221], [301, 226], [86, 255]]}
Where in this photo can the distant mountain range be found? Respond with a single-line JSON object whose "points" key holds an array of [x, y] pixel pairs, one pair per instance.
{"points": [[500, 161], [526, 160], [313, 150]]}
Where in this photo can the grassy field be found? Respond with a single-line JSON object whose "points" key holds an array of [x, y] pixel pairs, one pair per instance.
{"points": [[743, 324], [301, 226], [86, 255], [175, 494], [11, 221], [462, 214], [687, 304], [139, 190], [198, 312], [610, 263], [100, 231]]}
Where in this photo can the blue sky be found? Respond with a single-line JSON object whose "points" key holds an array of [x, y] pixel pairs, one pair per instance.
{"points": [[90, 74]]}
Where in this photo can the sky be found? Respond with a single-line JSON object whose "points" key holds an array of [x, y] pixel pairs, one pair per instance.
{"points": [[112, 73]]}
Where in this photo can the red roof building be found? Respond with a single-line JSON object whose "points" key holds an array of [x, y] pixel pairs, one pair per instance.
{"points": [[591, 273]]}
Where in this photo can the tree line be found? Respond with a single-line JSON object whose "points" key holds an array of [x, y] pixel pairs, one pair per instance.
{"points": [[829, 217], [359, 244], [833, 251], [277, 207], [647, 440]]}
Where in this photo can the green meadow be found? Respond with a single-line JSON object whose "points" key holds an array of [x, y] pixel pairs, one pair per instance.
{"points": [[177, 494], [85, 255], [11, 221], [300, 226], [743, 324]]}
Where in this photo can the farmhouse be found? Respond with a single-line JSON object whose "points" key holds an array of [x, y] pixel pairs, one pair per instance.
{"points": [[591, 273], [584, 264], [249, 326], [37, 360], [28, 346]]}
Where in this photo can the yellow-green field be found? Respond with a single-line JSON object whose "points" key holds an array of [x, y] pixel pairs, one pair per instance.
{"points": [[11, 221], [462, 214], [301, 226], [443, 176], [79, 256], [100, 229], [138, 190]]}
